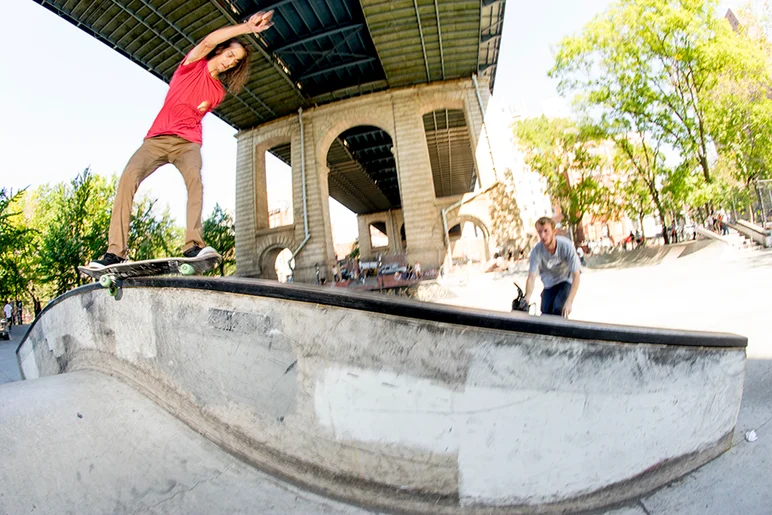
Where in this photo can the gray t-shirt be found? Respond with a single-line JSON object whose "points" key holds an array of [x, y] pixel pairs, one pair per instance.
{"points": [[555, 268]]}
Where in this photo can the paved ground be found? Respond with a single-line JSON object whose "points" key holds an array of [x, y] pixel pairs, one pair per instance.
{"points": [[713, 289], [123, 455], [9, 367]]}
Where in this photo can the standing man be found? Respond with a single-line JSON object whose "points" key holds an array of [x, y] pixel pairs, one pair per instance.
{"points": [[8, 312], [555, 260], [198, 86]]}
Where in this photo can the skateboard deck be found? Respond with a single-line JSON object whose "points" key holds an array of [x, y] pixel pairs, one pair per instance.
{"points": [[110, 276]]}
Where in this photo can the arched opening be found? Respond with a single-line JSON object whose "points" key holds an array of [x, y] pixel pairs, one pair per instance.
{"points": [[362, 180], [278, 185], [469, 242], [402, 236], [450, 152], [378, 235], [275, 264]]}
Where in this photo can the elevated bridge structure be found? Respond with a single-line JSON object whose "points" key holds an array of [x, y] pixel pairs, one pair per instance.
{"points": [[378, 104]]}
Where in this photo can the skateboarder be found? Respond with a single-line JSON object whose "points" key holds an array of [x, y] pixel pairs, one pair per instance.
{"points": [[198, 86], [555, 260]]}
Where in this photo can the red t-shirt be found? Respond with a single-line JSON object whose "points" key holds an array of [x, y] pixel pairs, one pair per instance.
{"points": [[192, 93]]}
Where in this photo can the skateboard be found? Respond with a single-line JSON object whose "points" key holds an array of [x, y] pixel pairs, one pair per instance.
{"points": [[519, 303], [110, 276]]}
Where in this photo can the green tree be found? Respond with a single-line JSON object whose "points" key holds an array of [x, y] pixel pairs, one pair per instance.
{"points": [[354, 254], [741, 114], [648, 175], [220, 234], [653, 65], [633, 192], [77, 231], [15, 247], [565, 154], [152, 236]]}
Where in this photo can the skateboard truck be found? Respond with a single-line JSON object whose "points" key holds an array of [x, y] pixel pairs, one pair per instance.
{"points": [[111, 283]]}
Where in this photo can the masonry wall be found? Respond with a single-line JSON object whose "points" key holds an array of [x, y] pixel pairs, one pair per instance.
{"points": [[393, 220], [399, 113]]}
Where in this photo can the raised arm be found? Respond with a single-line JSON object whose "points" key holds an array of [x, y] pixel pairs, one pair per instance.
{"points": [[256, 23]]}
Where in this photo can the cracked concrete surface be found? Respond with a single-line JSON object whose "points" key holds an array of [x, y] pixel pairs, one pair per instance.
{"points": [[125, 455]]}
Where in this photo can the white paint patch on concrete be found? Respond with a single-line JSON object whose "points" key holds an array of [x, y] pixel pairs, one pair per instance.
{"points": [[557, 445], [519, 445], [384, 407], [28, 365]]}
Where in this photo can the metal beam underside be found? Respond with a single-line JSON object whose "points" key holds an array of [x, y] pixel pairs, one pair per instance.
{"points": [[363, 171], [454, 41], [318, 51], [450, 152]]}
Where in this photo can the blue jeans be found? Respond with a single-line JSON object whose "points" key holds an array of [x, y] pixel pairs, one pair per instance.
{"points": [[553, 299]]}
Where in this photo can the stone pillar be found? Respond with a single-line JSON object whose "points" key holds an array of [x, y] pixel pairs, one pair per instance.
{"points": [[260, 192], [246, 262], [319, 250], [395, 241], [399, 112], [423, 226], [365, 248], [398, 221]]}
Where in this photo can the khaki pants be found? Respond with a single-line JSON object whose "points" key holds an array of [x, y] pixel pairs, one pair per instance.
{"points": [[153, 153]]}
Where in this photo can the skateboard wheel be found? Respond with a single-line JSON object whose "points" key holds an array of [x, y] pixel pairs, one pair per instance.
{"points": [[106, 281], [112, 290], [187, 269]]}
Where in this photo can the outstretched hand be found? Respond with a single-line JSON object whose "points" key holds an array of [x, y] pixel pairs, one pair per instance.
{"points": [[259, 22]]}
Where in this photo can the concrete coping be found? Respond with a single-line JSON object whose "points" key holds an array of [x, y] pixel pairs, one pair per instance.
{"points": [[401, 307]]}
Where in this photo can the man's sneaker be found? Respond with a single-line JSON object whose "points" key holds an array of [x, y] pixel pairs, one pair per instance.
{"points": [[108, 259], [196, 251]]}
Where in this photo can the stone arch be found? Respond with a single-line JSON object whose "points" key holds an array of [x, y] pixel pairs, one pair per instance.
{"points": [[269, 249], [275, 135], [444, 102], [330, 153], [336, 129], [461, 219], [486, 233]]}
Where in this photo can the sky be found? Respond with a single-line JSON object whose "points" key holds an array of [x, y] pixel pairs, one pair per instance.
{"points": [[71, 102]]}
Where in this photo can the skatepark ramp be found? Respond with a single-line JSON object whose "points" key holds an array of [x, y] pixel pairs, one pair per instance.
{"points": [[406, 406]]}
